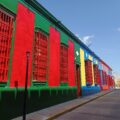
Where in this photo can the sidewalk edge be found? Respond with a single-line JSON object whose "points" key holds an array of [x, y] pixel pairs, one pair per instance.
{"points": [[81, 104]]}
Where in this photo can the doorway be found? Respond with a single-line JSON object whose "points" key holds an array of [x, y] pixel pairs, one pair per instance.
{"points": [[78, 80]]}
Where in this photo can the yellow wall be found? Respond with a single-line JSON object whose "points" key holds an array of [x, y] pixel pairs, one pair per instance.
{"points": [[82, 61], [91, 58]]}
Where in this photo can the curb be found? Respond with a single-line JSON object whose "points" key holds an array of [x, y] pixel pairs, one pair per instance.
{"points": [[76, 106]]}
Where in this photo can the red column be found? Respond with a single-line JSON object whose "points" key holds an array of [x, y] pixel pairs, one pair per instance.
{"points": [[71, 67], [23, 42], [54, 58]]}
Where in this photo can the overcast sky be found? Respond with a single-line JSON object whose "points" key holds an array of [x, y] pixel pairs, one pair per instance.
{"points": [[96, 22]]}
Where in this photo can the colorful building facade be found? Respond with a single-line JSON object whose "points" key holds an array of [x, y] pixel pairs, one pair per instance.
{"points": [[61, 67]]}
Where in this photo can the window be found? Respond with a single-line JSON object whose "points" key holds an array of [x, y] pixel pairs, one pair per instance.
{"points": [[6, 28], [97, 75], [88, 70], [63, 64], [40, 57], [104, 75]]}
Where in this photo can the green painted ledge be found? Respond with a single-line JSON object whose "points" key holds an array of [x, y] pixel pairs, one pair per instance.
{"points": [[39, 88]]}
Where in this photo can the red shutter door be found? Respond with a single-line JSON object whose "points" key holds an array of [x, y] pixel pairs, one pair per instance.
{"points": [[6, 28], [97, 75], [88, 70], [23, 42], [40, 57], [64, 64]]}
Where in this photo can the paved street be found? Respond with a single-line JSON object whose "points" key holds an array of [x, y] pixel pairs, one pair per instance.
{"points": [[104, 108]]}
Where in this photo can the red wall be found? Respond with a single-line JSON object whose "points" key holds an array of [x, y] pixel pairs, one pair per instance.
{"points": [[54, 58], [23, 42], [71, 66]]}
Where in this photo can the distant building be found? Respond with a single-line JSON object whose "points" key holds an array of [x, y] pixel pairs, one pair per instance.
{"points": [[117, 83]]}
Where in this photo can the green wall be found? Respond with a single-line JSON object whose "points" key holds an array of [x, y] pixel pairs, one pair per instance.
{"points": [[10, 4], [64, 38], [77, 56], [42, 23], [11, 102]]}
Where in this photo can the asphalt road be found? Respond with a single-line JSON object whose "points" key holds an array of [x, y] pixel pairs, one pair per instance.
{"points": [[104, 108]]}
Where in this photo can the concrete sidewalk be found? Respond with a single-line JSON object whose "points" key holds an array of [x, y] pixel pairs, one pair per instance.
{"points": [[57, 110]]}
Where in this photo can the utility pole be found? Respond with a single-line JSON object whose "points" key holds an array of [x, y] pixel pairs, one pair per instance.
{"points": [[26, 86]]}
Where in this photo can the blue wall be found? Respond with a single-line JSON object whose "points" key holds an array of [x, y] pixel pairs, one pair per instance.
{"points": [[90, 90]]}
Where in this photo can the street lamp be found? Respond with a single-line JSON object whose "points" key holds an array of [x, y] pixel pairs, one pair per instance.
{"points": [[26, 85]]}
